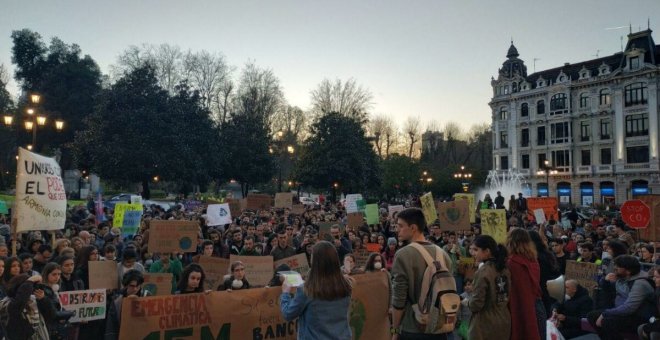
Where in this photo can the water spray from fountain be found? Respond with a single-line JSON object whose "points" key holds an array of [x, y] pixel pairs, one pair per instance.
{"points": [[508, 182]]}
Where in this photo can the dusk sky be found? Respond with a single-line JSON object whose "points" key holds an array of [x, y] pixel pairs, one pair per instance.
{"points": [[431, 59]]}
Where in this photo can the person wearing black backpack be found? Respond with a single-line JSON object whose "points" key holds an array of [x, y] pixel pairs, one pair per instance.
{"points": [[408, 272]]}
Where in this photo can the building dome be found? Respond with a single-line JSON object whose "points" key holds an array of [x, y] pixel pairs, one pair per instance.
{"points": [[513, 52], [513, 66]]}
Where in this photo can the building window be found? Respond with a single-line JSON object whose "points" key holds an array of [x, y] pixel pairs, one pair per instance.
{"points": [[503, 113], [506, 89], [636, 94], [637, 125], [634, 63], [559, 133], [542, 159], [585, 131], [524, 110], [586, 157], [605, 129], [525, 161], [637, 154], [561, 158], [540, 107], [504, 162], [584, 100], [606, 156], [558, 102], [604, 97], [540, 134], [504, 139], [524, 137]]}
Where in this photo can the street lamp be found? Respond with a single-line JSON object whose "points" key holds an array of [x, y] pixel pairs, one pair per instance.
{"points": [[34, 119], [281, 150], [547, 170], [464, 177]]}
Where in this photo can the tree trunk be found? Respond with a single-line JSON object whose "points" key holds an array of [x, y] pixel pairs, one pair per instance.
{"points": [[146, 193]]}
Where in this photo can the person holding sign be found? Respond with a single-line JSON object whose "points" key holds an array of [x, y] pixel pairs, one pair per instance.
{"points": [[237, 279], [192, 280], [132, 282], [23, 317], [321, 304]]}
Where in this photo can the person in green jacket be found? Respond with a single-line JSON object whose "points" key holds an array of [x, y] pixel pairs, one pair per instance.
{"points": [[168, 264]]}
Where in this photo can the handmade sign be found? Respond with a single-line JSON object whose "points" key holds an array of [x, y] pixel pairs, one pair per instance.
{"points": [[373, 247], [467, 267], [40, 195], [284, 200], [393, 209], [192, 204], [127, 217], [87, 305], [215, 269], [547, 204], [173, 236], [428, 208], [234, 206], [355, 220], [258, 269], [371, 212], [493, 223], [259, 202], [585, 273], [298, 209], [351, 202], [361, 257], [103, 275], [454, 215], [652, 233], [539, 216], [218, 214], [246, 314], [158, 283], [472, 204], [297, 263]]}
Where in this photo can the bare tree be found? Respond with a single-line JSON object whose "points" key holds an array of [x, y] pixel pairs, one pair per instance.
{"points": [[453, 133], [224, 99], [291, 120], [391, 134], [208, 73], [411, 130], [165, 59], [376, 128], [259, 93], [347, 98]]}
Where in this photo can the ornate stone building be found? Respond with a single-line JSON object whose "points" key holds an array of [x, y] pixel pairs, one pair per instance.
{"points": [[585, 133]]}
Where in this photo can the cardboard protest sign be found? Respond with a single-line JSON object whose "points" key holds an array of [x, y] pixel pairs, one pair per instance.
{"points": [[173, 236], [40, 195], [284, 200], [467, 267], [234, 207], [87, 305], [297, 263], [298, 209], [371, 212], [652, 232], [218, 214], [158, 283], [355, 220], [361, 257], [3, 207], [246, 314], [103, 275], [215, 269], [547, 204], [585, 273], [393, 209], [472, 204], [539, 216], [373, 247], [428, 208], [454, 215], [258, 202], [258, 269], [127, 217], [493, 223], [351, 202]]}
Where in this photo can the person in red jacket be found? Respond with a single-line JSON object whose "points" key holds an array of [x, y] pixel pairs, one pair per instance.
{"points": [[527, 312]]}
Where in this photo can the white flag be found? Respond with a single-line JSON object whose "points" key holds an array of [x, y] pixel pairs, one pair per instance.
{"points": [[218, 214]]}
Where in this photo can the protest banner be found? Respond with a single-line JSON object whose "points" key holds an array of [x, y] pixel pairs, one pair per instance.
{"points": [[218, 214], [234, 206], [173, 236], [127, 216], [355, 220], [547, 204], [158, 283], [652, 232], [247, 314], [259, 202], [493, 223], [103, 275], [298, 209], [539, 216], [361, 257], [297, 263], [87, 305], [258, 269], [393, 209], [585, 273], [40, 195], [371, 213], [428, 208], [454, 215], [373, 247], [215, 269], [472, 204], [284, 200], [351, 202]]}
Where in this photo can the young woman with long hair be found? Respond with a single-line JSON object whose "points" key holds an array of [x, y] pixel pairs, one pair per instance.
{"points": [[192, 280], [489, 303], [527, 310], [321, 304], [549, 268]]}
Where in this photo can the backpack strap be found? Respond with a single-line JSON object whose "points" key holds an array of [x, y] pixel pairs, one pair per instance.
{"points": [[427, 255]]}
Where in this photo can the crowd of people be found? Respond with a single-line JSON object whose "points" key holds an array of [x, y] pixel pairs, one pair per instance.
{"points": [[503, 291]]}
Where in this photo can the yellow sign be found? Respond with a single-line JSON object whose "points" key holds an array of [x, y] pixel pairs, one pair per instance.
{"points": [[472, 205], [493, 223], [120, 211], [428, 208]]}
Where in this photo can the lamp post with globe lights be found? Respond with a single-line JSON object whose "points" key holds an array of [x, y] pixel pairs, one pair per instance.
{"points": [[34, 119], [547, 170], [464, 177]]}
